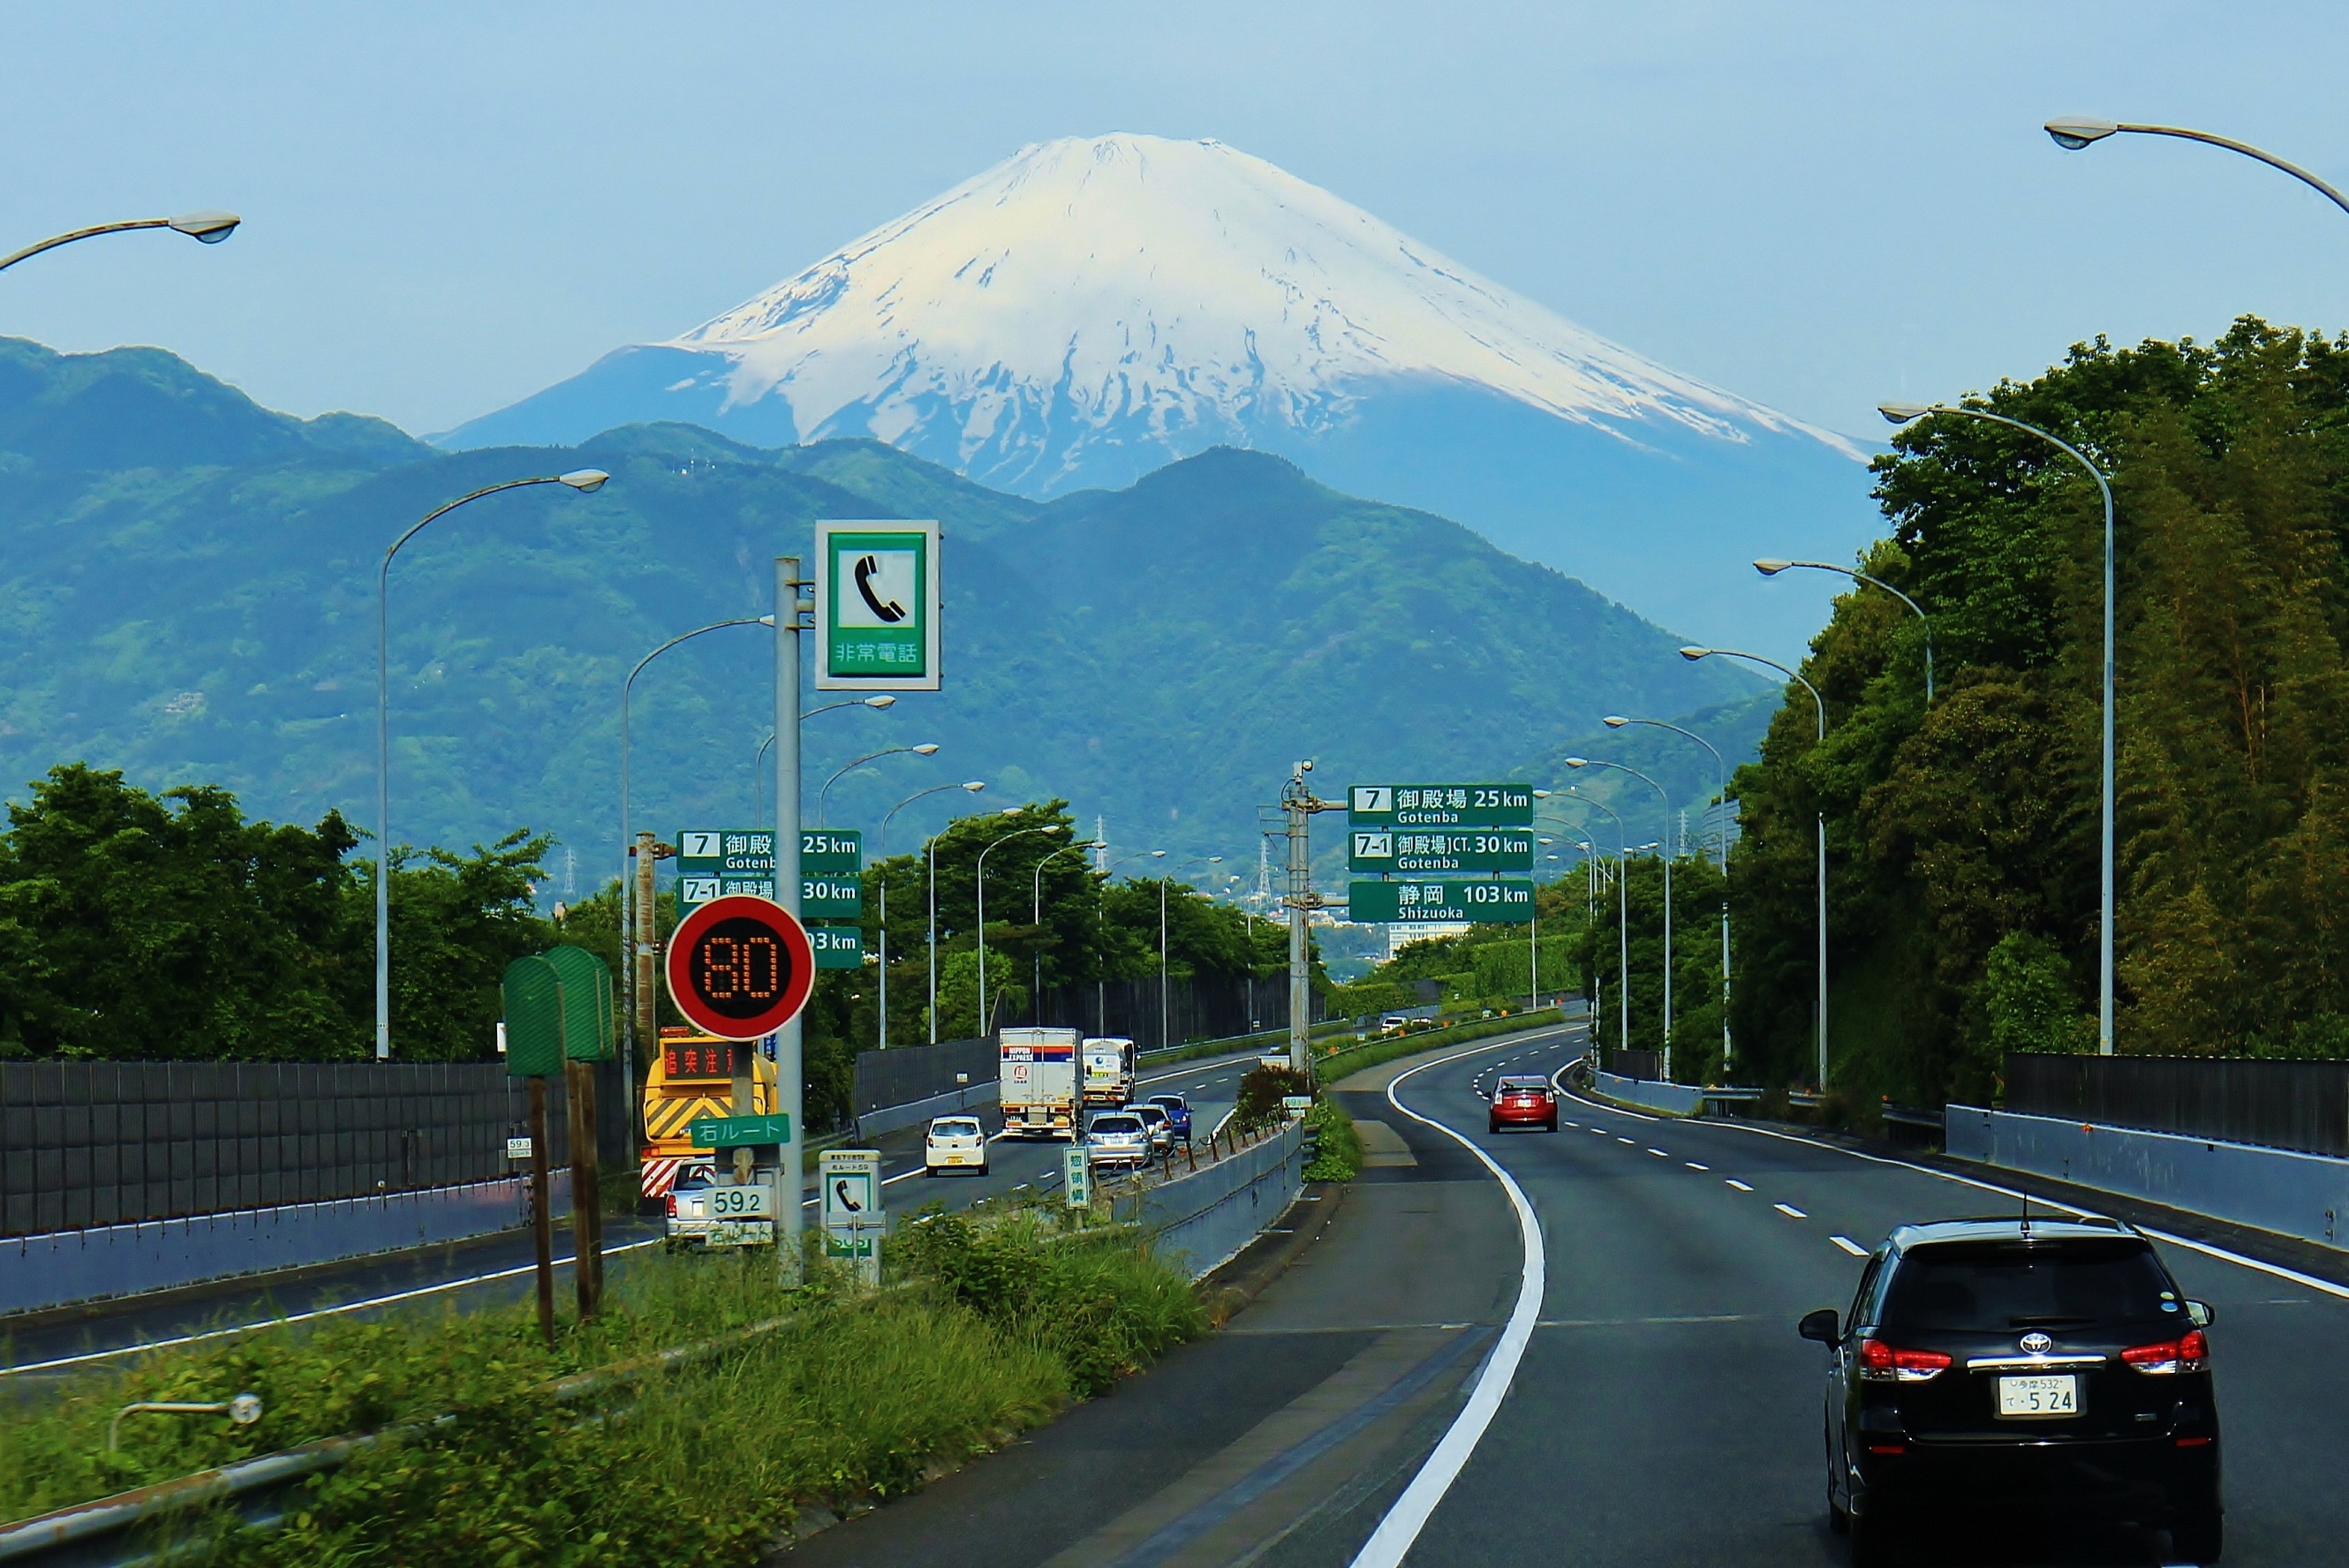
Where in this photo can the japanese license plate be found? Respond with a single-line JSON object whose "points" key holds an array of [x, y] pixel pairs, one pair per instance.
{"points": [[2055, 1394]]}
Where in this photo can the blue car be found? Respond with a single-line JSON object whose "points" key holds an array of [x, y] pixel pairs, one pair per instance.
{"points": [[1178, 1115]]}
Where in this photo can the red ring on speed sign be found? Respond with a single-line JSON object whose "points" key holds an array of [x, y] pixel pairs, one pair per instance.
{"points": [[740, 967]]}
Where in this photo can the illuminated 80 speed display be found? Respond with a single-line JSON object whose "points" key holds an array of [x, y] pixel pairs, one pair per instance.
{"points": [[740, 967]]}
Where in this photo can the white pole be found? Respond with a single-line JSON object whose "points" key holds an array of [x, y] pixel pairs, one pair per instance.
{"points": [[790, 1073]]}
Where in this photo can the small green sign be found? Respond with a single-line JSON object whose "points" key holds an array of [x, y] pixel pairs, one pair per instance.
{"points": [[828, 852], [1440, 805], [837, 946], [739, 1131], [721, 851], [532, 996], [848, 1244], [1444, 850], [831, 898], [587, 1031], [876, 605], [1428, 902]]}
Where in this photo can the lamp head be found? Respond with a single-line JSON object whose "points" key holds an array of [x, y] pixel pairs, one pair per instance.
{"points": [[1901, 413], [885, 700], [926, 748], [976, 785], [1578, 762], [1614, 721], [587, 482], [1693, 653], [1158, 854], [1215, 860], [1770, 567], [209, 227], [2074, 132], [1541, 794], [767, 620]]}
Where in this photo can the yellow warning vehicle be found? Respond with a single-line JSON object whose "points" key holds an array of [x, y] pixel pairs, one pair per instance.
{"points": [[693, 1076]]}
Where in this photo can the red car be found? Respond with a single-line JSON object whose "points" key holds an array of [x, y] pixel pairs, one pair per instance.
{"points": [[1523, 1102]]}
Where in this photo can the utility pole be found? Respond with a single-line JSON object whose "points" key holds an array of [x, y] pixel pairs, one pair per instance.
{"points": [[790, 1076], [646, 947], [1296, 801]]}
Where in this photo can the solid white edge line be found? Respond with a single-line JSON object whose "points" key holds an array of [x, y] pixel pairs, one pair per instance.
{"points": [[1400, 1529], [305, 1316], [2260, 1265]]}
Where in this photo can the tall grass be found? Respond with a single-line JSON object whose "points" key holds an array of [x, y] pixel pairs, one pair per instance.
{"points": [[985, 1331]]}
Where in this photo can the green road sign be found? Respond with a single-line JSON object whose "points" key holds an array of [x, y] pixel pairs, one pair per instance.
{"points": [[587, 991], [876, 607], [739, 1131], [837, 946], [1429, 903], [828, 852], [1440, 805], [1441, 850], [721, 851], [831, 898]]}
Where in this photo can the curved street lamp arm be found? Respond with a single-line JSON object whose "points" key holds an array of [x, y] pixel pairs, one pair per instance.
{"points": [[210, 228], [1772, 569], [1817, 701], [2247, 151]]}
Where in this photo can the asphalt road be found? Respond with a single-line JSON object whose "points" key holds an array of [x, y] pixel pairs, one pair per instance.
{"points": [[1663, 1411], [498, 1268]]}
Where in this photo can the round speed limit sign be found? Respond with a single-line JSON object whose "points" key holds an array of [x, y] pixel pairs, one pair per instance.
{"points": [[740, 967]]}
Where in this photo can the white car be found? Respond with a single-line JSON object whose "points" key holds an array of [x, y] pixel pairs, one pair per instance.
{"points": [[955, 1143], [1117, 1138], [1158, 1124]]}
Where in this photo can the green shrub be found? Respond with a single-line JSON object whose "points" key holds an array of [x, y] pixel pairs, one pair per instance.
{"points": [[1337, 1150]]}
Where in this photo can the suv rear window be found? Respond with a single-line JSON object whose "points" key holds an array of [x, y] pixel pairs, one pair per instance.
{"points": [[1117, 1124], [1991, 1286]]}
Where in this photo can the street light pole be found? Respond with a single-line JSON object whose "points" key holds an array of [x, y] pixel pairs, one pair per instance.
{"points": [[1018, 833], [587, 482], [973, 786], [759, 763], [1693, 653], [1903, 413], [1721, 770], [204, 228], [2073, 132], [1770, 568], [635, 946], [823, 796], [1666, 842]]}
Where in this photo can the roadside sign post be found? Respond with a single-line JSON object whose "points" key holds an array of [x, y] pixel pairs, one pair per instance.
{"points": [[853, 1218], [584, 994], [1077, 1176], [531, 993]]}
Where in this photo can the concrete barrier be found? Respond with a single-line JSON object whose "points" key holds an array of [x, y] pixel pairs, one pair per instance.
{"points": [[890, 1118], [1204, 1219], [2301, 1195], [1672, 1099], [63, 1267]]}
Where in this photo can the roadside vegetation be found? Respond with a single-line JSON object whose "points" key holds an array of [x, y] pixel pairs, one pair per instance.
{"points": [[985, 1329]]}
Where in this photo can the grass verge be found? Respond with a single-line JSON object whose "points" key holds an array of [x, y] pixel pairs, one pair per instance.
{"points": [[985, 1329], [1376, 1053]]}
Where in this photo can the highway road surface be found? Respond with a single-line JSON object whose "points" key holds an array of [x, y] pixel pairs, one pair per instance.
{"points": [[496, 1268], [1423, 1387]]}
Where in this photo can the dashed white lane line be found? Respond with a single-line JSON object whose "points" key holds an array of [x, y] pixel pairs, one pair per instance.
{"points": [[1626, 1140], [1574, 1124], [1660, 1154], [1848, 1244], [1739, 1185], [1790, 1211], [1694, 1166]]}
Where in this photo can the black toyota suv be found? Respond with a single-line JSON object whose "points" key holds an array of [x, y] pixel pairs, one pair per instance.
{"points": [[1993, 1363]]}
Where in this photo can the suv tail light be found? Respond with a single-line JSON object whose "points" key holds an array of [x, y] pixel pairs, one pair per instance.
{"points": [[1882, 1363], [672, 1205], [2189, 1352]]}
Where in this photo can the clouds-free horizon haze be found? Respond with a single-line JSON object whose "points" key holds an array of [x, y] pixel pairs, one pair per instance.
{"points": [[1818, 206]]}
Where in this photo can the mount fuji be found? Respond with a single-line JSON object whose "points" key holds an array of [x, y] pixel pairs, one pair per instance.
{"points": [[1093, 308]]}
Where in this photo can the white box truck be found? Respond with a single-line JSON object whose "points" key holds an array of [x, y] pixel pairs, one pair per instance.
{"points": [[1109, 1069], [1039, 1087]]}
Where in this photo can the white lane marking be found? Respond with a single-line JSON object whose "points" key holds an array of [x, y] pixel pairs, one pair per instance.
{"points": [[1625, 1141], [1694, 1166], [1393, 1539], [2278, 1269], [1660, 1154], [1574, 1124], [1739, 1185], [304, 1316], [1790, 1211], [1848, 1244]]}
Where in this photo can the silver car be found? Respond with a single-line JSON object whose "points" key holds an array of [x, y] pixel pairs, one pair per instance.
{"points": [[1117, 1138], [1158, 1124]]}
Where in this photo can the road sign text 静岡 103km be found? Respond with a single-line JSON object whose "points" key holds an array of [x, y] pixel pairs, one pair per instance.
{"points": [[1441, 850], [1409, 902], [1440, 805]]}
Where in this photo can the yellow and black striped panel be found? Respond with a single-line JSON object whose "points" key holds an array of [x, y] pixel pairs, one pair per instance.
{"points": [[666, 1117]]}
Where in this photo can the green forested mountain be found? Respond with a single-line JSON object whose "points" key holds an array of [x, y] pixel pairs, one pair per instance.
{"points": [[187, 592], [1963, 839]]}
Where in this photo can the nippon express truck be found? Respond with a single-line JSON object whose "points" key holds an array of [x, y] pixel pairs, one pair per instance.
{"points": [[1109, 1069], [1039, 1089]]}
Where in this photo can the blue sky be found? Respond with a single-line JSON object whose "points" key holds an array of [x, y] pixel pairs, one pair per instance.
{"points": [[1814, 205]]}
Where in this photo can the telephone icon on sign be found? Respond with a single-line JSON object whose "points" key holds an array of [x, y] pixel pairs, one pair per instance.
{"points": [[890, 611]]}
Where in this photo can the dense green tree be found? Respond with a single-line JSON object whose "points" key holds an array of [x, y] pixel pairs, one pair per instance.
{"points": [[1962, 841]]}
